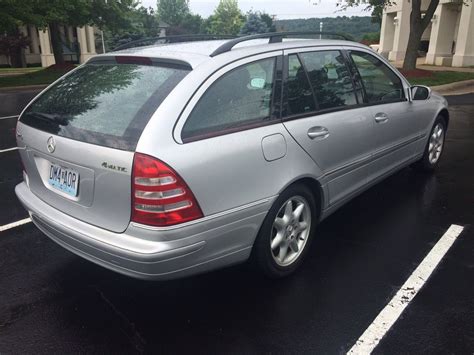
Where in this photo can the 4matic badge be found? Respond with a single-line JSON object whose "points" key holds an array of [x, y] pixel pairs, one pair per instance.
{"points": [[114, 167]]}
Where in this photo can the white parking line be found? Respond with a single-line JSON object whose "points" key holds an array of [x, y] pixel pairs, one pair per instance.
{"points": [[15, 224], [389, 315], [8, 150], [8, 117]]}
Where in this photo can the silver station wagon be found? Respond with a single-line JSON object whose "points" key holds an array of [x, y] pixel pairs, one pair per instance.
{"points": [[173, 159]]}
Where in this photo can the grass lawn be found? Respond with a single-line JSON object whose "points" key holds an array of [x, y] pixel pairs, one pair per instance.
{"points": [[38, 77], [19, 70], [433, 78]]}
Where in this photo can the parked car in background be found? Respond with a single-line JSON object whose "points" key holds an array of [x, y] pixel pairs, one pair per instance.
{"points": [[169, 160]]}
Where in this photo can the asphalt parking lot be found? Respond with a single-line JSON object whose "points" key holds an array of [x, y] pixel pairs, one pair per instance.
{"points": [[53, 301]]}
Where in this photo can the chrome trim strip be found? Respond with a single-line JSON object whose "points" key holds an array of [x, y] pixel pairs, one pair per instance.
{"points": [[368, 159], [204, 219]]}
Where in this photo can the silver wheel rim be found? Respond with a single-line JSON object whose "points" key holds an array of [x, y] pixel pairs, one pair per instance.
{"points": [[435, 145], [290, 231]]}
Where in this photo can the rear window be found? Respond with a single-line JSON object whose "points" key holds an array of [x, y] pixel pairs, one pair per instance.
{"points": [[104, 104]]}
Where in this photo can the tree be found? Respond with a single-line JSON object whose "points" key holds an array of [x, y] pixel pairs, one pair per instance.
{"points": [[54, 13], [191, 24], [11, 46], [269, 21], [144, 23], [419, 21], [418, 25], [227, 19], [172, 12], [253, 25]]}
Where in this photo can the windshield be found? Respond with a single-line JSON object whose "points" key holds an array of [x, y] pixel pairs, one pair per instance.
{"points": [[104, 104]]}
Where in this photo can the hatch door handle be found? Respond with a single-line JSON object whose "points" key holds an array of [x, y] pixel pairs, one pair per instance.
{"points": [[318, 132], [381, 117]]}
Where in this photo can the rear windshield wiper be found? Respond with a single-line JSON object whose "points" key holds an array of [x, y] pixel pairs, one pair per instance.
{"points": [[49, 117]]}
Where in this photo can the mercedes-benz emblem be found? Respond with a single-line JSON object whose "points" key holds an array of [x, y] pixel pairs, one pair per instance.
{"points": [[51, 144]]}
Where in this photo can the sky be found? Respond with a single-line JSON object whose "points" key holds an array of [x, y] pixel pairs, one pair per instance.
{"points": [[282, 9]]}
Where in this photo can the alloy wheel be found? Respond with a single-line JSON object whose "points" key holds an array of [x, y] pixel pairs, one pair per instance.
{"points": [[290, 231], [436, 143]]}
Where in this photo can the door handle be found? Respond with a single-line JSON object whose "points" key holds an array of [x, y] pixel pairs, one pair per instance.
{"points": [[381, 117], [318, 132]]}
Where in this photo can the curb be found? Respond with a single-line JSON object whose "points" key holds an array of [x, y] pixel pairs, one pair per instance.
{"points": [[23, 88], [456, 88]]}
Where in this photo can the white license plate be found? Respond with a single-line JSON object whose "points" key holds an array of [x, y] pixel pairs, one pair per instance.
{"points": [[63, 179]]}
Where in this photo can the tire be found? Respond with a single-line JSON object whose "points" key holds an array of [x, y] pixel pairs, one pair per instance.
{"points": [[434, 147], [281, 229]]}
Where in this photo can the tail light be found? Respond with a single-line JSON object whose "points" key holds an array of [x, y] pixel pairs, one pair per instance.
{"points": [[160, 197]]}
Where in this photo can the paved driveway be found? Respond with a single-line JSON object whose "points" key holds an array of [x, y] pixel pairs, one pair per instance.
{"points": [[53, 301]]}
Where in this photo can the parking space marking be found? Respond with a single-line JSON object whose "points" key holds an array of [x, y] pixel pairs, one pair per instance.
{"points": [[389, 315], [15, 224], [8, 117], [8, 150]]}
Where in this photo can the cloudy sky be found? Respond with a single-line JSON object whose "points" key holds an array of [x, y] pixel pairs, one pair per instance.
{"points": [[282, 9]]}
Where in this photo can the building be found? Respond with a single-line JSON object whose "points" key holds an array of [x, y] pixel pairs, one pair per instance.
{"points": [[447, 41], [78, 45]]}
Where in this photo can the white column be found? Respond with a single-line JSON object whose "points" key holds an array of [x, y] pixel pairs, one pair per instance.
{"points": [[47, 57], [400, 40], [90, 39], [70, 34], [35, 47], [387, 33], [83, 36], [442, 35], [24, 32], [464, 55]]}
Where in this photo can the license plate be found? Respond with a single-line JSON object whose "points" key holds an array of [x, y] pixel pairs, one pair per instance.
{"points": [[63, 179]]}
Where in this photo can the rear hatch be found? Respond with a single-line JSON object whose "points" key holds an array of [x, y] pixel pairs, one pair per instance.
{"points": [[79, 136]]}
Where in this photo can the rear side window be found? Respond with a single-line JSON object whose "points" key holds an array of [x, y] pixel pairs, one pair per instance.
{"points": [[104, 104], [300, 97], [240, 98], [330, 79], [381, 84]]}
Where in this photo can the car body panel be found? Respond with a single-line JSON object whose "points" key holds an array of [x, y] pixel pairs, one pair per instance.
{"points": [[104, 192], [235, 177]]}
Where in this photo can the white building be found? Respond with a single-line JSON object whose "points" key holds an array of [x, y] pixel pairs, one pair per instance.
{"points": [[449, 39], [78, 45]]}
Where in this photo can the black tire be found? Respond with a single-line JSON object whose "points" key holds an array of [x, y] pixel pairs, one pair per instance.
{"points": [[424, 164], [262, 252]]}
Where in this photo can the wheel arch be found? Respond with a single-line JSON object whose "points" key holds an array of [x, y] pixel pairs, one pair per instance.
{"points": [[314, 186], [445, 114]]}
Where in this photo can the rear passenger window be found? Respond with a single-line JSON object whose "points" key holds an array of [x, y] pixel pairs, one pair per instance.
{"points": [[381, 84], [330, 79], [240, 98], [299, 94]]}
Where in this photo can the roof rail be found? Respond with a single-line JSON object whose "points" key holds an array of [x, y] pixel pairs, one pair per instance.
{"points": [[169, 39], [273, 37]]}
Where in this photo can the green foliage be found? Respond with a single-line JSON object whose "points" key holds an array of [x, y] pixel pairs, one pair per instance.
{"points": [[143, 23], [253, 25], [14, 13], [43, 76], [172, 12], [268, 21], [191, 24], [371, 38], [376, 6], [11, 46], [354, 27], [227, 19], [437, 77], [52, 13]]}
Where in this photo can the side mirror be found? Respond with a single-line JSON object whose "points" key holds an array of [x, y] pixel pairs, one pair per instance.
{"points": [[420, 92]]}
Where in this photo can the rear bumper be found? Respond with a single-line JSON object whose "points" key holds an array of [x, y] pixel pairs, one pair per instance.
{"points": [[153, 253]]}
